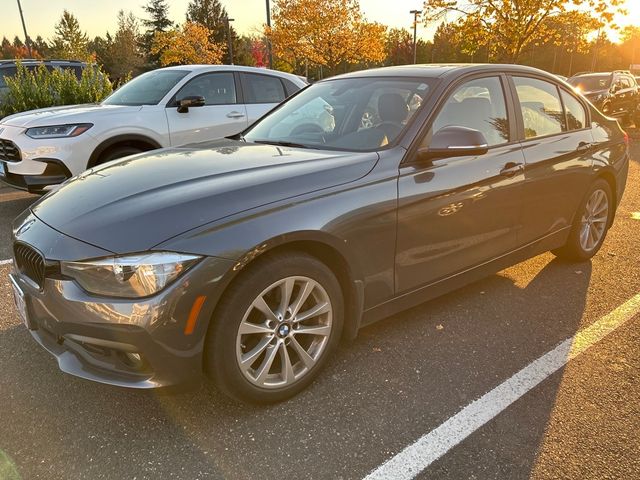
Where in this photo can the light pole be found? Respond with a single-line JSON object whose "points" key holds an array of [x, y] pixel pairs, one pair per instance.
{"points": [[229, 39], [27, 41], [415, 14], [269, 52]]}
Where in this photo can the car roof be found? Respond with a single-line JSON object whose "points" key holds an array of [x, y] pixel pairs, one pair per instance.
{"points": [[443, 70], [237, 68]]}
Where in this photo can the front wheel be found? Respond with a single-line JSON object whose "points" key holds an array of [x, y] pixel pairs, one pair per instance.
{"points": [[275, 328], [591, 224]]}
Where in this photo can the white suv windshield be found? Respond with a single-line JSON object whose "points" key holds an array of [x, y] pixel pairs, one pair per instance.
{"points": [[357, 114], [147, 89]]}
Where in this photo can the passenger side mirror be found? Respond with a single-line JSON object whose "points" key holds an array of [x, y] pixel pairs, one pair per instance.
{"points": [[191, 101], [616, 87], [454, 141]]}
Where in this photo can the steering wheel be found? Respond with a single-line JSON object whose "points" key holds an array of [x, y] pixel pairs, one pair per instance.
{"points": [[307, 128]]}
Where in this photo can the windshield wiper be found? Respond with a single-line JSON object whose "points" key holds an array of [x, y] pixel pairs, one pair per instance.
{"points": [[281, 143]]}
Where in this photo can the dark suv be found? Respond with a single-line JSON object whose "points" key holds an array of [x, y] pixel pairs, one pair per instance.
{"points": [[8, 68], [616, 93]]}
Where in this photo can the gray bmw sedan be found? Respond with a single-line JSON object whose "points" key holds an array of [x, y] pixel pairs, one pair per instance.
{"points": [[249, 258]]}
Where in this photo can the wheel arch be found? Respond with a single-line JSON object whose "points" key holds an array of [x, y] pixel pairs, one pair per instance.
{"points": [[141, 141], [610, 178], [326, 249]]}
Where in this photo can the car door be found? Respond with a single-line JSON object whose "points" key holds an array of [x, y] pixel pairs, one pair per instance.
{"points": [[261, 93], [459, 212], [222, 114], [557, 145]]}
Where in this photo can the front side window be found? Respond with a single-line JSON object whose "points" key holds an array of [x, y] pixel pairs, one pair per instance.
{"points": [[477, 104], [216, 88], [576, 114], [354, 114], [540, 105], [147, 89], [262, 88]]}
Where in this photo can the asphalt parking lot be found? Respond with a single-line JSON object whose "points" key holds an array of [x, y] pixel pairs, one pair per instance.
{"points": [[398, 381]]}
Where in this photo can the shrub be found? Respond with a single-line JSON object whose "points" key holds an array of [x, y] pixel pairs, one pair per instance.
{"points": [[42, 88]]}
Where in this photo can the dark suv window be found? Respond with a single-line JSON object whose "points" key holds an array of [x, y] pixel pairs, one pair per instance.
{"points": [[262, 88]]}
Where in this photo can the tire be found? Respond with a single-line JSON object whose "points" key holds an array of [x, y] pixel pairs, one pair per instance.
{"points": [[269, 340], [590, 225], [118, 152]]}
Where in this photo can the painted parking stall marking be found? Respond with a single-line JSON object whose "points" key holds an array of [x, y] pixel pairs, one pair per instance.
{"points": [[433, 445], [6, 262]]}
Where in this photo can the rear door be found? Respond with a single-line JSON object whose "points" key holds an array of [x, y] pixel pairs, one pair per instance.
{"points": [[458, 212], [261, 93], [557, 145], [222, 115]]}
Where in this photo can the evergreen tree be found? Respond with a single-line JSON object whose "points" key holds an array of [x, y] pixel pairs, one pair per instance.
{"points": [[212, 15], [69, 42], [158, 21]]}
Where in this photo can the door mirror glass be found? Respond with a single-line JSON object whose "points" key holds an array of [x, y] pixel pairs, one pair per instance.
{"points": [[190, 101], [454, 141]]}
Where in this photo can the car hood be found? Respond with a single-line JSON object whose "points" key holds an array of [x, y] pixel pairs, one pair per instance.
{"points": [[65, 114], [134, 204]]}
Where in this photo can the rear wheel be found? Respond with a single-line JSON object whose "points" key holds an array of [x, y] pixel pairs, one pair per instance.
{"points": [[591, 224], [275, 328]]}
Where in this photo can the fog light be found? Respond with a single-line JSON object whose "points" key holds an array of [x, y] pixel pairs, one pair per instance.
{"points": [[132, 359]]}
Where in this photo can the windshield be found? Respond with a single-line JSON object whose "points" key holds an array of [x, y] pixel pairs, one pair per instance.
{"points": [[147, 89], [591, 83], [355, 114]]}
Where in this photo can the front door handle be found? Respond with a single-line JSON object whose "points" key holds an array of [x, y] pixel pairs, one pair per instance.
{"points": [[584, 147], [235, 114], [511, 169]]}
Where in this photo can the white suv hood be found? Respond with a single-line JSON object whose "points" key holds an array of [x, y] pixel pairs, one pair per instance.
{"points": [[65, 114]]}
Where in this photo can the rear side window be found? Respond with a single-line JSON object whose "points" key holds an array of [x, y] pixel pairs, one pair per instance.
{"points": [[216, 88], [477, 104], [290, 87], [541, 108], [576, 114], [262, 88]]}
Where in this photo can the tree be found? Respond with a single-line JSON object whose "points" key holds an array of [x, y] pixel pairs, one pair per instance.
{"points": [[69, 42], [158, 11], [398, 47], [124, 50], [510, 26], [328, 33], [212, 15], [187, 45]]}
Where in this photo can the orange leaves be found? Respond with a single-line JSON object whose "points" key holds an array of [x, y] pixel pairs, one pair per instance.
{"points": [[188, 45], [325, 32]]}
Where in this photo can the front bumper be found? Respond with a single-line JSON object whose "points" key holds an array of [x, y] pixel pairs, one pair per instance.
{"points": [[137, 343], [43, 163]]}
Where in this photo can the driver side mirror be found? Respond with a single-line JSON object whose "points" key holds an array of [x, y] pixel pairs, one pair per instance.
{"points": [[454, 141], [191, 101], [616, 87]]}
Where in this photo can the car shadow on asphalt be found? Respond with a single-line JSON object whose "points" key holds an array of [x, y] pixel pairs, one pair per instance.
{"points": [[432, 360]]}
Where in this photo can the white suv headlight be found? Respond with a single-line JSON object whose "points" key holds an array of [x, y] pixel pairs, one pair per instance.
{"points": [[58, 131], [131, 276]]}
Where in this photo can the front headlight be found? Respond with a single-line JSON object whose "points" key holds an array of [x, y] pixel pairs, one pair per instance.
{"points": [[132, 276], [58, 131]]}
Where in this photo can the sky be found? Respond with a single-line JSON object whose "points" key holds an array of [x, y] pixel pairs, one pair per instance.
{"points": [[96, 17]]}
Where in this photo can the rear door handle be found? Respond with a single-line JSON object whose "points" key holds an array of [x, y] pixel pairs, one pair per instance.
{"points": [[235, 114], [511, 169]]}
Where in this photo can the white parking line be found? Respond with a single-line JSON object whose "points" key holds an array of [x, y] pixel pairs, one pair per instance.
{"points": [[5, 262], [427, 449]]}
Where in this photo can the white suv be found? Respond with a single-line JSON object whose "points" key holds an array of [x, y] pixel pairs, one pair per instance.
{"points": [[165, 107]]}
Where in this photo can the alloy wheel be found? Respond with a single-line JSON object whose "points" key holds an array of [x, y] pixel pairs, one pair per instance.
{"points": [[284, 332], [594, 220]]}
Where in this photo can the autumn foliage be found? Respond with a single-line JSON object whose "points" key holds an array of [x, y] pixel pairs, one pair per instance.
{"points": [[324, 32], [189, 44]]}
